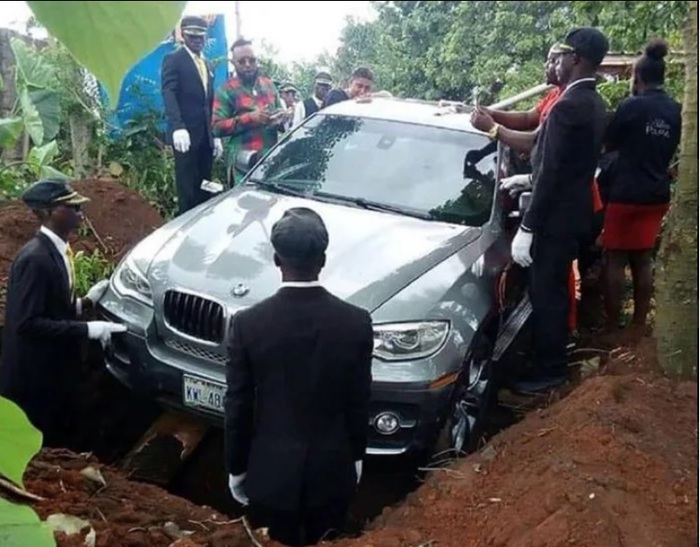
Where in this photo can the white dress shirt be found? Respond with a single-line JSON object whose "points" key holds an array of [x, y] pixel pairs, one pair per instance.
{"points": [[301, 284], [62, 248], [300, 110]]}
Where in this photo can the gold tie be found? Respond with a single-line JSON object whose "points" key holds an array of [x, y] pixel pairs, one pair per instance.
{"points": [[202, 69], [71, 269]]}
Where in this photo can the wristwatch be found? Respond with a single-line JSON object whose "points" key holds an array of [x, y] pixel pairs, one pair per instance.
{"points": [[493, 132]]}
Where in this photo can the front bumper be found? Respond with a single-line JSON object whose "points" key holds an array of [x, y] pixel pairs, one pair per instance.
{"points": [[156, 371]]}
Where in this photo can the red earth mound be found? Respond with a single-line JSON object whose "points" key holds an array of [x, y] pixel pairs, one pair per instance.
{"points": [[614, 463], [119, 216], [123, 512]]}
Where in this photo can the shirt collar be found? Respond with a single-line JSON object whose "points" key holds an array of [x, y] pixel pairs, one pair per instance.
{"points": [[301, 284], [193, 54], [580, 81], [61, 245]]}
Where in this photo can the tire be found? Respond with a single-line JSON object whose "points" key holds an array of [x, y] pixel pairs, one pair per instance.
{"points": [[473, 400]]}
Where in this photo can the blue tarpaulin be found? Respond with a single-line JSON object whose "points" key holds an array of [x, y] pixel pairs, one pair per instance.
{"points": [[141, 86]]}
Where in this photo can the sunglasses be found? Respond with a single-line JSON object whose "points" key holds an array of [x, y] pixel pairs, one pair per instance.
{"points": [[72, 207], [246, 61]]}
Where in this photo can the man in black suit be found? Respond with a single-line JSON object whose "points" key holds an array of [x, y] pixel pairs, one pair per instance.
{"points": [[298, 389], [187, 84], [560, 214], [40, 361]]}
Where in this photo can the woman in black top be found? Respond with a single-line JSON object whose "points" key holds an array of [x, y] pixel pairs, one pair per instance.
{"points": [[645, 131]]}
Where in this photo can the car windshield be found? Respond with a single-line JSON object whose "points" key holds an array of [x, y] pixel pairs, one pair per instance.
{"points": [[430, 172]]}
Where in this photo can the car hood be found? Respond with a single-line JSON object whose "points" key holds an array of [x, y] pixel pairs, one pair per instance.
{"points": [[371, 255]]}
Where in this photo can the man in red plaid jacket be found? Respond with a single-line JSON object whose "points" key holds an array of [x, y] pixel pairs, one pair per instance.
{"points": [[248, 112]]}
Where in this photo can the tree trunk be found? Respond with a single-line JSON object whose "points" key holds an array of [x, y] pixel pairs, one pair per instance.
{"points": [[81, 137], [677, 268]]}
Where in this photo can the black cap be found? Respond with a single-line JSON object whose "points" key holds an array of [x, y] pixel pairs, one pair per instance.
{"points": [[288, 86], [587, 42], [194, 25], [49, 193], [300, 236], [323, 77]]}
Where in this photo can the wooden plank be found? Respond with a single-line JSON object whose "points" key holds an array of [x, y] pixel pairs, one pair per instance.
{"points": [[163, 449]]}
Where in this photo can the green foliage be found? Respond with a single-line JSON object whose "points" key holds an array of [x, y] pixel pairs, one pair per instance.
{"points": [[268, 65], [139, 158], [37, 112], [38, 105], [20, 442], [614, 92], [15, 177], [630, 25], [10, 131], [69, 81], [300, 74], [19, 439], [445, 50], [21, 527], [91, 268], [108, 37]]}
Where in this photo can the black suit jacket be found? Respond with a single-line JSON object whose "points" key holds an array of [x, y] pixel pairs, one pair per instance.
{"points": [[297, 401], [186, 104], [564, 160], [39, 365]]}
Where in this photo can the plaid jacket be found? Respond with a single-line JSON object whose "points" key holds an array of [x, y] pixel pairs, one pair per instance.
{"points": [[231, 118]]}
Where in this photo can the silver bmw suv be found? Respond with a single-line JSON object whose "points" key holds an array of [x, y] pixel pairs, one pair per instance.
{"points": [[419, 236]]}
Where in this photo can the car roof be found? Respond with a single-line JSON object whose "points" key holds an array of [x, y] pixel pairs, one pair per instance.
{"points": [[416, 111]]}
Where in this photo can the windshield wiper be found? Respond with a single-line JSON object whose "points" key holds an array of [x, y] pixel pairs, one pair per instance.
{"points": [[376, 205], [279, 188], [360, 202]]}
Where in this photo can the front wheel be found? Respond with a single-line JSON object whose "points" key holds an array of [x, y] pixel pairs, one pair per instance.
{"points": [[473, 400]]}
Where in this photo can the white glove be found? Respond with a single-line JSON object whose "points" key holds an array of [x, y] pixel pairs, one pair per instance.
{"points": [[181, 140], [97, 291], [516, 184], [520, 249], [218, 148], [103, 330], [236, 486], [358, 470]]}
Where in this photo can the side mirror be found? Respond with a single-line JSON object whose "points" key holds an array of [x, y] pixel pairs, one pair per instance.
{"points": [[245, 160], [524, 202]]}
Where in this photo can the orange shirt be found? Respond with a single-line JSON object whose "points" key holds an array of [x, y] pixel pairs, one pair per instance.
{"points": [[547, 102]]}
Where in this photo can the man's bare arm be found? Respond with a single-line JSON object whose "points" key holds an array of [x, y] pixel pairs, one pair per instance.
{"points": [[517, 121], [520, 141]]}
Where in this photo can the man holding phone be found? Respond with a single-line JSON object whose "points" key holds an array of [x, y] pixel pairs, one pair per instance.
{"points": [[247, 108]]}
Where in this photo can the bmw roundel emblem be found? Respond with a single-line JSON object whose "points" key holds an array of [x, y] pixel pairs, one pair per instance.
{"points": [[239, 290]]}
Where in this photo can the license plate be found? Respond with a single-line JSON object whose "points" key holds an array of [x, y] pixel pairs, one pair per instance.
{"points": [[203, 393]]}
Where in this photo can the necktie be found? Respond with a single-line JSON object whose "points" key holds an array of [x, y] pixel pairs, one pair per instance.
{"points": [[71, 268], [202, 69]]}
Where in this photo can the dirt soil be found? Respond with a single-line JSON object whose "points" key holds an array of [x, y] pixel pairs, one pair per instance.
{"points": [[120, 217], [123, 513], [614, 463]]}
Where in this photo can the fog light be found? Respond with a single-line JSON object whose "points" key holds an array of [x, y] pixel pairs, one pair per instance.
{"points": [[386, 423]]}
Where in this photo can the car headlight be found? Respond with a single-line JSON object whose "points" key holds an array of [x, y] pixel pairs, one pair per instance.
{"points": [[129, 280], [409, 341]]}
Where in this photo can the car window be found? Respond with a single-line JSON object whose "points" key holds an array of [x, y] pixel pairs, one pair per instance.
{"points": [[447, 173]]}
